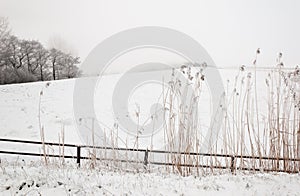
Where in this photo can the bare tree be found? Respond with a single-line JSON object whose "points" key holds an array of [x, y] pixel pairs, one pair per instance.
{"points": [[13, 54], [69, 67], [55, 60], [27, 60], [63, 65], [4, 28], [42, 56], [28, 48], [36, 55], [4, 33]]}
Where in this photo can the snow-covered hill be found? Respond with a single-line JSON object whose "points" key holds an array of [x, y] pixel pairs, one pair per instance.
{"points": [[26, 107]]}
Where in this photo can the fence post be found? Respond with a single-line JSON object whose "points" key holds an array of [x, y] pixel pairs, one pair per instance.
{"points": [[232, 165], [78, 156], [146, 159]]}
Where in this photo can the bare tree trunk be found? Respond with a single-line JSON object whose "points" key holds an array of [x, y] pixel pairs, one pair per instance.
{"points": [[42, 76], [28, 64], [57, 76], [53, 70]]}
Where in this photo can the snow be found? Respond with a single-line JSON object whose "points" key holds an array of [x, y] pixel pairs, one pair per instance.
{"points": [[27, 107], [20, 109], [36, 179], [23, 106]]}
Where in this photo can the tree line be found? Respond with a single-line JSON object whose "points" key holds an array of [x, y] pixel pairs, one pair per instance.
{"points": [[24, 60]]}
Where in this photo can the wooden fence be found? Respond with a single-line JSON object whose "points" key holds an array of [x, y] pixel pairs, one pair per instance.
{"points": [[146, 152]]}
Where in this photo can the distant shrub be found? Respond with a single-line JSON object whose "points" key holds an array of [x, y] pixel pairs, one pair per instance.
{"points": [[10, 76]]}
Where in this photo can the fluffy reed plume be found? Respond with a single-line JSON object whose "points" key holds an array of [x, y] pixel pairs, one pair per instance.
{"points": [[279, 122], [181, 119]]}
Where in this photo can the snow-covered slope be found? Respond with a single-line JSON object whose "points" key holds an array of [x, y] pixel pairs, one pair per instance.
{"points": [[24, 107]]}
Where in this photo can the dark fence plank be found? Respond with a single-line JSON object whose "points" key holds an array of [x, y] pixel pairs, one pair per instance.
{"points": [[146, 161]]}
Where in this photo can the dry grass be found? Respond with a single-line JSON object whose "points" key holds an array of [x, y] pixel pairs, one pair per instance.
{"points": [[247, 129]]}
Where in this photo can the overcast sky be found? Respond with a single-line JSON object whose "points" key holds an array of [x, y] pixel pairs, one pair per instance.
{"points": [[230, 31]]}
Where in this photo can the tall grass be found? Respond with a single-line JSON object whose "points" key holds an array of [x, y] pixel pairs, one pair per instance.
{"points": [[252, 126], [248, 129], [280, 122]]}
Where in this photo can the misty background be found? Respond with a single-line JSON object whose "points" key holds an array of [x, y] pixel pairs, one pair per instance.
{"points": [[230, 31]]}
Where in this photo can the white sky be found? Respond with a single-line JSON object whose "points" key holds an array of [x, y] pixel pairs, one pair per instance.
{"points": [[230, 31]]}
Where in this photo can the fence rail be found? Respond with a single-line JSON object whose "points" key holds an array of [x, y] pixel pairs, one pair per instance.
{"points": [[79, 157]]}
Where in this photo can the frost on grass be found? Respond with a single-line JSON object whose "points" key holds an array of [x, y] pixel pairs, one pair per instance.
{"points": [[36, 179]]}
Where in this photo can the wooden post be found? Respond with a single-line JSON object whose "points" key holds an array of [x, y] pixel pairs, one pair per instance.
{"points": [[232, 165], [78, 156], [146, 159]]}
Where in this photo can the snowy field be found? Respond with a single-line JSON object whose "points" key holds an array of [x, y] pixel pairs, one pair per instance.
{"points": [[24, 108], [40, 180]]}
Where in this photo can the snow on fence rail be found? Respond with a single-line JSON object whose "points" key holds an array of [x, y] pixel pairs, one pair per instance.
{"points": [[146, 152]]}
